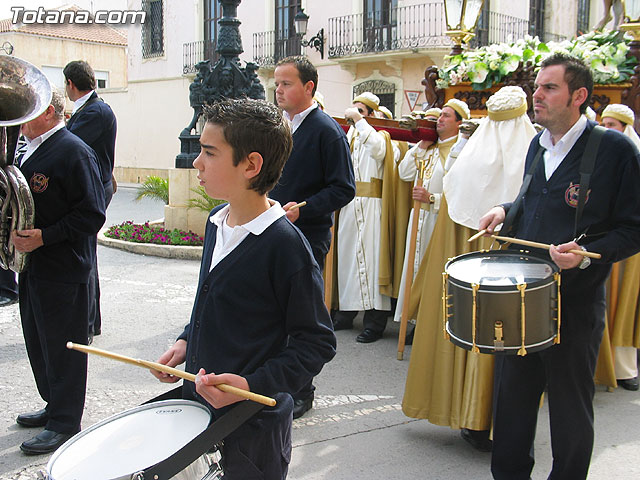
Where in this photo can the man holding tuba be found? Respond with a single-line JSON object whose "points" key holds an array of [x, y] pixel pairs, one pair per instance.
{"points": [[64, 179]]}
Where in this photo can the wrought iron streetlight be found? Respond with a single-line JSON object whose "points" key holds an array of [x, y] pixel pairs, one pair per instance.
{"points": [[461, 17], [317, 41]]}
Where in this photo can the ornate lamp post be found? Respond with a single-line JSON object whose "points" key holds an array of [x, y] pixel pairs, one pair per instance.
{"points": [[317, 41], [461, 17]]}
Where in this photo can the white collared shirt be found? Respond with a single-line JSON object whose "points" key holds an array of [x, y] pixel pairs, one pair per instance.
{"points": [[32, 145], [80, 102], [554, 154], [298, 118], [228, 238]]}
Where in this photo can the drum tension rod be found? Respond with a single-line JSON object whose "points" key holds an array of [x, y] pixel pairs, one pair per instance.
{"points": [[445, 305], [557, 278], [521, 288], [474, 288]]}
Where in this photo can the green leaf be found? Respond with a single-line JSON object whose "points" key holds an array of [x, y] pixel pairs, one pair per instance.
{"points": [[527, 54]]}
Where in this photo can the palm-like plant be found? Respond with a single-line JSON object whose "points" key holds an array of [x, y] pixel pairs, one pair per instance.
{"points": [[154, 187], [203, 201]]}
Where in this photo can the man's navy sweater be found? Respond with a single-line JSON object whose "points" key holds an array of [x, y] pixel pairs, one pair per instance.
{"points": [[318, 171], [68, 195], [611, 216]]}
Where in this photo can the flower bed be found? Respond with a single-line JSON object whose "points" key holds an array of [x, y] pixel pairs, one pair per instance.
{"points": [[604, 52], [156, 234]]}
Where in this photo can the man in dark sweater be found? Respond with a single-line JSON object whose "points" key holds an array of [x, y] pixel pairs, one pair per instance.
{"points": [[609, 225], [259, 321], [64, 179], [94, 122], [319, 170]]}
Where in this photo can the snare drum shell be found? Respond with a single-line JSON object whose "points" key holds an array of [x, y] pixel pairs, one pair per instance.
{"points": [[500, 303]]}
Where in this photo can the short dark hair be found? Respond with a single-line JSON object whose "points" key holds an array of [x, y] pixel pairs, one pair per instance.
{"points": [[254, 126], [81, 74], [306, 71], [576, 74]]}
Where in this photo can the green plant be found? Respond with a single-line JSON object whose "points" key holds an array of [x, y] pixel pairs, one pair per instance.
{"points": [[203, 201], [147, 233], [154, 187]]}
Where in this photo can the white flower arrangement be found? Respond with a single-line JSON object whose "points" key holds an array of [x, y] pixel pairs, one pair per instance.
{"points": [[605, 52]]}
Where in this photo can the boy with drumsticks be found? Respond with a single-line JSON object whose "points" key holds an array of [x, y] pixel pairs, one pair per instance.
{"points": [[258, 322]]}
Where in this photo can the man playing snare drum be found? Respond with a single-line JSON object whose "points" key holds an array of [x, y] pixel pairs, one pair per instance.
{"points": [[609, 225]]}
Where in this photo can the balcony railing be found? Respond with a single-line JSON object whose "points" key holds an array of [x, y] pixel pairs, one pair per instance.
{"points": [[195, 52], [414, 26], [270, 47], [501, 28]]}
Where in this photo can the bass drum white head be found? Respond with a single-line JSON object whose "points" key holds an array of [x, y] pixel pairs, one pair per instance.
{"points": [[129, 442]]}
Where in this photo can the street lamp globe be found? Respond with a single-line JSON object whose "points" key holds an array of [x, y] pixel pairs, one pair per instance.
{"points": [[461, 17]]}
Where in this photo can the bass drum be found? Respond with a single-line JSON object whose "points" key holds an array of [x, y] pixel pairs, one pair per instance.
{"points": [[122, 446]]}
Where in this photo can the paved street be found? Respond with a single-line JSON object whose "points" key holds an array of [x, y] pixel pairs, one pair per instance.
{"points": [[356, 429]]}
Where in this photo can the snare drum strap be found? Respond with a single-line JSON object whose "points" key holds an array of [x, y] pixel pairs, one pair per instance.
{"points": [[515, 206], [586, 169], [201, 444]]}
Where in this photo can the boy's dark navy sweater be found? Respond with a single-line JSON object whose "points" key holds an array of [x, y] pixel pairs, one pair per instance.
{"points": [[260, 313]]}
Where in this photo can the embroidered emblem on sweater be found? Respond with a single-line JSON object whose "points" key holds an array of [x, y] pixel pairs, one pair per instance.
{"points": [[571, 195], [38, 182]]}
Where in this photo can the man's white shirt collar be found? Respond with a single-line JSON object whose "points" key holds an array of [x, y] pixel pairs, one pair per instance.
{"points": [[32, 145], [554, 154], [298, 118], [81, 101]]}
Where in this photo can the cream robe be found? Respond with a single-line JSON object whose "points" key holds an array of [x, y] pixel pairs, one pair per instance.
{"points": [[435, 158], [358, 245]]}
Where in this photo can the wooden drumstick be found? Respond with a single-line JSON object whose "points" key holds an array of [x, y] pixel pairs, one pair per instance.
{"points": [[270, 402], [297, 205], [529, 243], [477, 235]]}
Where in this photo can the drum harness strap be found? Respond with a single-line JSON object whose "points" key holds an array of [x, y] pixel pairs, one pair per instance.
{"points": [[201, 444], [587, 164]]}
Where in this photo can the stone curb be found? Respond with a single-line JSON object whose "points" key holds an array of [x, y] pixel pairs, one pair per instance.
{"points": [[183, 252]]}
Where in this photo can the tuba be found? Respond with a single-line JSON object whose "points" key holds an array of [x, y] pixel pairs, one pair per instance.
{"points": [[25, 93]]}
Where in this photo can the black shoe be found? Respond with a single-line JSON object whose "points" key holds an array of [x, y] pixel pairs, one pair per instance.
{"points": [[629, 384], [302, 406], [368, 336], [478, 439], [409, 338], [5, 301], [90, 339], [33, 419], [342, 325], [341, 321], [46, 441]]}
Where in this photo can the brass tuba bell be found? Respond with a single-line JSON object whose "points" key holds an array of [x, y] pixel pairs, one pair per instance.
{"points": [[25, 92]]}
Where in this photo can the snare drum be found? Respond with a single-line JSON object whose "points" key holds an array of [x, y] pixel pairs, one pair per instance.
{"points": [[125, 444], [501, 302]]}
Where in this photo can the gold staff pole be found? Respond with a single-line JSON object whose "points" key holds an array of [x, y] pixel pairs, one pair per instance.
{"points": [[408, 276]]}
